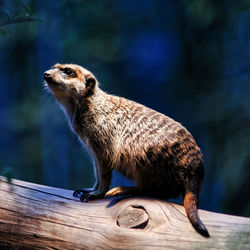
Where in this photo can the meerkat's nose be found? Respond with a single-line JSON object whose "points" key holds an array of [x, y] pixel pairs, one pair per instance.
{"points": [[46, 76]]}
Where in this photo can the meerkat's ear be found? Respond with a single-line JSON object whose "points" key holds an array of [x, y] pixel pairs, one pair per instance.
{"points": [[90, 85], [90, 82]]}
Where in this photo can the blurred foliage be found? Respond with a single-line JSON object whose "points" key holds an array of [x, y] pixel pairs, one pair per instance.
{"points": [[8, 173], [7, 18], [186, 59]]}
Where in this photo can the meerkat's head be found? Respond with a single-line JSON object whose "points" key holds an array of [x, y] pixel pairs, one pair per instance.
{"points": [[70, 81]]}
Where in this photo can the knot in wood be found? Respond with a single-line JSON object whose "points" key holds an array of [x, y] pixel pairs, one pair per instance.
{"points": [[133, 217]]}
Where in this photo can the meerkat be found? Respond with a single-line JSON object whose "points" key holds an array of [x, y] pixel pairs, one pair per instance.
{"points": [[153, 150]]}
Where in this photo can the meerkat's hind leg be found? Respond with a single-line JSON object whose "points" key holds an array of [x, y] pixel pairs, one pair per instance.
{"points": [[116, 191]]}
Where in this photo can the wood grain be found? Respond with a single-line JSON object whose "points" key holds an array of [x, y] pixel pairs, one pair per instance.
{"points": [[39, 217]]}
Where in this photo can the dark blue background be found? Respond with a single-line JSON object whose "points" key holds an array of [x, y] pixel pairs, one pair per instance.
{"points": [[186, 59]]}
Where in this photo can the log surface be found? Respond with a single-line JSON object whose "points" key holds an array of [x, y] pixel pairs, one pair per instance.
{"points": [[39, 217]]}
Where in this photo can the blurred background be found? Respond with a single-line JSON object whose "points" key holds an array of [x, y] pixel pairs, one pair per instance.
{"points": [[187, 59]]}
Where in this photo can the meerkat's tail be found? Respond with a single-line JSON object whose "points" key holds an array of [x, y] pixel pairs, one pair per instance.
{"points": [[190, 205]]}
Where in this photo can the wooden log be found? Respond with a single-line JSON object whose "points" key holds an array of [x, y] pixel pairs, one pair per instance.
{"points": [[39, 217]]}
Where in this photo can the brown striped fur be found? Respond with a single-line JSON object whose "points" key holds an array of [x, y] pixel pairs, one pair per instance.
{"points": [[153, 150]]}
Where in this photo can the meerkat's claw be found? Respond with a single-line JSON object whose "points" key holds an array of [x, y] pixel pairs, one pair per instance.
{"points": [[83, 198]]}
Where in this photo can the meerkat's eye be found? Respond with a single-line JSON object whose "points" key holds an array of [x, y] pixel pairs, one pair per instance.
{"points": [[69, 72]]}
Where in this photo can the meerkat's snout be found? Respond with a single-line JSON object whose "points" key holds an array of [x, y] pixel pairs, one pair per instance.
{"points": [[46, 76]]}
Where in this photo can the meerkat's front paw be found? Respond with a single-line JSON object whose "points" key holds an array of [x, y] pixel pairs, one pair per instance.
{"points": [[79, 192], [93, 195]]}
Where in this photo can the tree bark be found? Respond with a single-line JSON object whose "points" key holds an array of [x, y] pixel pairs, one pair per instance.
{"points": [[39, 217]]}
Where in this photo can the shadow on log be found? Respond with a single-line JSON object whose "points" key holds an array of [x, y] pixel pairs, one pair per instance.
{"points": [[39, 217]]}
